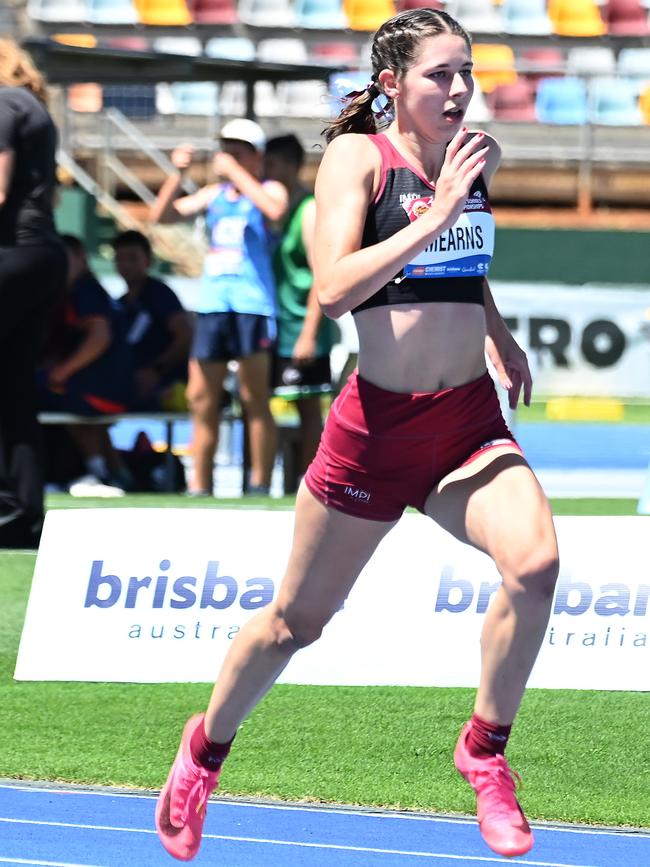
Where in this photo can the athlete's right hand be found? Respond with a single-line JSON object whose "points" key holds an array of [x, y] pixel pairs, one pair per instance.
{"points": [[181, 156], [464, 162]]}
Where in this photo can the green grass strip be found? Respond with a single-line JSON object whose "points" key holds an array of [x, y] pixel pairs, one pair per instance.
{"points": [[583, 755]]}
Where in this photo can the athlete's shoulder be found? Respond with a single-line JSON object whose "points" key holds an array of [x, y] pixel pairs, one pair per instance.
{"points": [[492, 157], [351, 154]]}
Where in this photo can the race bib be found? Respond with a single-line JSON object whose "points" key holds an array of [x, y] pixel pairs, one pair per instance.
{"points": [[464, 250], [223, 262]]}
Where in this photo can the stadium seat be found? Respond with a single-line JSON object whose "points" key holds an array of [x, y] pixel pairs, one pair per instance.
{"points": [[368, 14], [526, 17], [267, 13], [127, 43], [85, 97], [200, 98], [476, 16], [321, 14], [478, 111], [345, 53], [111, 12], [614, 102], [57, 11], [493, 64], [214, 11], [513, 102], [266, 100], [587, 60], [626, 18], [232, 99], [282, 50], [230, 47], [576, 18], [561, 101], [403, 5], [634, 63], [164, 13], [78, 40], [303, 99], [187, 45], [644, 105], [541, 61]]}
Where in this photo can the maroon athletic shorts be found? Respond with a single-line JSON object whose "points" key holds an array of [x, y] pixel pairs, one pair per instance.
{"points": [[382, 451]]}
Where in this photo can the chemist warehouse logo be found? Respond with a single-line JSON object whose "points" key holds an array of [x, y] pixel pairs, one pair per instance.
{"points": [[214, 602], [614, 615]]}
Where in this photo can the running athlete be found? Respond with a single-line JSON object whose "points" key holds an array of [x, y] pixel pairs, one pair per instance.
{"points": [[404, 235], [236, 304]]}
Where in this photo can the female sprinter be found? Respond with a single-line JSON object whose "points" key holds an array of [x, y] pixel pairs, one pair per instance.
{"points": [[403, 238]]}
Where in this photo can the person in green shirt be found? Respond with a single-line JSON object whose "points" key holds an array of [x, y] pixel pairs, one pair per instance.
{"points": [[301, 370]]}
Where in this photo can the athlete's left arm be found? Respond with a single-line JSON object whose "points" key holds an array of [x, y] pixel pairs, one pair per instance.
{"points": [[502, 349]]}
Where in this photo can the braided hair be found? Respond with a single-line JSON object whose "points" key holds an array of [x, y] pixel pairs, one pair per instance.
{"points": [[395, 46]]}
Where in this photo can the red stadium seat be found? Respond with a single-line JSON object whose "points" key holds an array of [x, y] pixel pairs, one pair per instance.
{"points": [[513, 102], [214, 11], [626, 18]]}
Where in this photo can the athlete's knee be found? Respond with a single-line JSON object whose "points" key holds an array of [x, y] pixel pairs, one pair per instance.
{"points": [[295, 628], [531, 570]]}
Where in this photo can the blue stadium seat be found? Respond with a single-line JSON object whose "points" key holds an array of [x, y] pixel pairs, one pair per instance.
{"points": [[526, 17], [614, 102], [561, 101], [634, 63], [230, 47], [111, 12], [196, 98], [321, 14]]}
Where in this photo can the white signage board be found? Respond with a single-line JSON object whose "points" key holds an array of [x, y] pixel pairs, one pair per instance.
{"points": [[581, 340], [158, 595]]}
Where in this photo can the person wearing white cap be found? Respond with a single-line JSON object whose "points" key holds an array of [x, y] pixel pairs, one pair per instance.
{"points": [[236, 306]]}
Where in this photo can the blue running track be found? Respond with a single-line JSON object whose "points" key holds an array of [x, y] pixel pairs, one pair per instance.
{"points": [[77, 828]]}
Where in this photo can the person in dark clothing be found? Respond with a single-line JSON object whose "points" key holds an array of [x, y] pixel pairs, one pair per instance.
{"points": [[159, 329], [87, 364], [32, 275]]}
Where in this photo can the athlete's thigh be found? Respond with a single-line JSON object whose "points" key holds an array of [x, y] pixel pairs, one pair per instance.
{"points": [[329, 551], [496, 504]]}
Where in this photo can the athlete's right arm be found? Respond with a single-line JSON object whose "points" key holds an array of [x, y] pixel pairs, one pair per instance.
{"points": [[167, 208], [346, 275], [6, 173]]}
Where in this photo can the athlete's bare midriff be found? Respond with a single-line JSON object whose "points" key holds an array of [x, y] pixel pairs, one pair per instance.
{"points": [[421, 347]]}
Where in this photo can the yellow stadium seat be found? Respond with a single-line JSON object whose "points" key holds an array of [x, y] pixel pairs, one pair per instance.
{"points": [[80, 40], [644, 105], [493, 64], [368, 14], [576, 18], [163, 12]]}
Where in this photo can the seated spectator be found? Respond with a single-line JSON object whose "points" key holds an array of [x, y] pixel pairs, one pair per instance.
{"points": [[301, 370], [159, 329], [87, 366]]}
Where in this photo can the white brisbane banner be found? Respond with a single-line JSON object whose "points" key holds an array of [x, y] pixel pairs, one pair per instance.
{"points": [[157, 595], [581, 340]]}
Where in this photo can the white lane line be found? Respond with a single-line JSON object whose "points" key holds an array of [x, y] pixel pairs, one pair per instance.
{"points": [[339, 848], [44, 863], [386, 814]]}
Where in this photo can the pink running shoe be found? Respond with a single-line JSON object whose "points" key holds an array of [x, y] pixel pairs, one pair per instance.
{"points": [[501, 819], [181, 807]]}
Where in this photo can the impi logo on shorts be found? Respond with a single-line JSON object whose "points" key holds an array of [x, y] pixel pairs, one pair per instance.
{"points": [[187, 591], [357, 494]]}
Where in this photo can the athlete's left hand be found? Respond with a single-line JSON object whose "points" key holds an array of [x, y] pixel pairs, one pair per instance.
{"points": [[511, 365]]}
